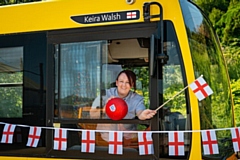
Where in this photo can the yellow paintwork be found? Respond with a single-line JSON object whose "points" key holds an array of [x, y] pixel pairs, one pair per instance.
{"points": [[177, 19], [52, 15], [27, 158]]}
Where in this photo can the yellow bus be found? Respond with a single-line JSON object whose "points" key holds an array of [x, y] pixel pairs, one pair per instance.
{"points": [[57, 56]]}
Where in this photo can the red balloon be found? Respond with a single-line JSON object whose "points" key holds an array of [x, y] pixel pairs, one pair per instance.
{"points": [[116, 108]]}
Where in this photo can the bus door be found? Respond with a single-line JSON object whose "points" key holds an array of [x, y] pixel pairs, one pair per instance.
{"points": [[167, 73]]}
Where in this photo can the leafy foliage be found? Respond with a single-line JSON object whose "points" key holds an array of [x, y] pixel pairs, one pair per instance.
{"points": [[208, 5], [11, 97], [224, 16], [236, 96], [232, 56], [228, 27]]}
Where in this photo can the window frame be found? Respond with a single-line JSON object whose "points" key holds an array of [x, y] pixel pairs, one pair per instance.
{"points": [[80, 35]]}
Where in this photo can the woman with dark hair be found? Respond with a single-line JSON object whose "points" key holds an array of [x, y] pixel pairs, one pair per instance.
{"points": [[125, 81]]}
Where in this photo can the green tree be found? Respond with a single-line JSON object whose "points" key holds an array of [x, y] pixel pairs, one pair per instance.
{"points": [[228, 26], [236, 97], [232, 56], [208, 5], [224, 16], [10, 97]]}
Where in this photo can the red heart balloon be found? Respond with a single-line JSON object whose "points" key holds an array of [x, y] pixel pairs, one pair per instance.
{"points": [[116, 108]]}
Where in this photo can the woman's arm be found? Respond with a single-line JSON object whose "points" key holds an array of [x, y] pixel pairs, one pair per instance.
{"points": [[146, 114]]}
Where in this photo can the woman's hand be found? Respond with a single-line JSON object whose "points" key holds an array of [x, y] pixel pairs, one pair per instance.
{"points": [[146, 114]]}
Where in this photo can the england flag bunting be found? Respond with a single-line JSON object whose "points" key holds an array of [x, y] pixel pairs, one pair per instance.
{"points": [[7, 135], [60, 139], [145, 143], [176, 143], [200, 88], [88, 141], [115, 142], [236, 138], [34, 136], [209, 142]]}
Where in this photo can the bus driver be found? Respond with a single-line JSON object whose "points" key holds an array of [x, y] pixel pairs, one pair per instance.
{"points": [[125, 80]]}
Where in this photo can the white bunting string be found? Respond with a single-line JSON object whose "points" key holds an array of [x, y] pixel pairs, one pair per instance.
{"points": [[60, 139], [72, 129]]}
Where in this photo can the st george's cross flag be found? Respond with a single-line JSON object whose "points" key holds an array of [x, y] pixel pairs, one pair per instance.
{"points": [[200, 88], [131, 15], [88, 141], [115, 142], [209, 142], [60, 139], [7, 135], [34, 136], [236, 138], [145, 143], [176, 143]]}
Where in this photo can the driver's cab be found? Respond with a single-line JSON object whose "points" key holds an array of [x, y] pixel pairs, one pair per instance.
{"points": [[85, 69]]}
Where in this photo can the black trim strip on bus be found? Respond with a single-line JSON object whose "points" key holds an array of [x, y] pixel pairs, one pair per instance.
{"points": [[11, 85], [102, 33], [123, 121]]}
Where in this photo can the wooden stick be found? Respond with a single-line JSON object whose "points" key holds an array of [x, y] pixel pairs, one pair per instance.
{"points": [[173, 97]]}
